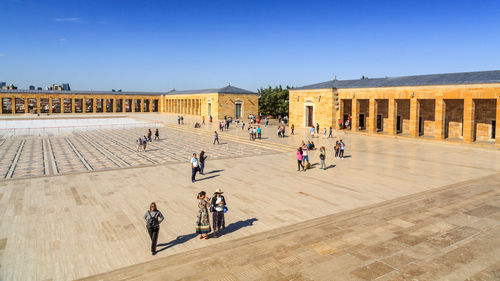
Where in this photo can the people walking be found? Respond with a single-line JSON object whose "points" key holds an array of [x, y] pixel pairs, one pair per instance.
{"points": [[157, 135], [254, 133], [203, 120], [203, 157], [150, 139], [153, 218], [218, 208], [330, 134], [292, 128], [317, 129], [194, 167], [259, 132], [324, 132], [182, 120], [312, 131], [341, 149], [178, 119], [144, 143], [139, 144], [202, 221], [337, 149], [322, 157], [299, 160], [216, 139]]}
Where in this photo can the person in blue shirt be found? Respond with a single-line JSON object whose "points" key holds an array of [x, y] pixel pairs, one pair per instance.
{"points": [[259, 132], [216, 139]]}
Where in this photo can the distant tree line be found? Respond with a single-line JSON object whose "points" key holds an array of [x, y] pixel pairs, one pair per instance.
{"points": [[274, 101]]}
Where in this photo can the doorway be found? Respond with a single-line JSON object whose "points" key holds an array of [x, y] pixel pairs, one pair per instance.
{"points": [[420, 126], [493, 129], [209, 109], [237, 110], [399, 128], [379, 123], [309, 116], [361, 121]]}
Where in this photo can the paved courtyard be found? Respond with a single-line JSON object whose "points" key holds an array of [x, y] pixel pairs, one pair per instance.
{"points": [[85, 221]]}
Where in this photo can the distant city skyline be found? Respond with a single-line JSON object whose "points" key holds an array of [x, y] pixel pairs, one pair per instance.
{"points": [[158, 46]]}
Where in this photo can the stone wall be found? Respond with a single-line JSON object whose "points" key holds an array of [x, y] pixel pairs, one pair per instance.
{"points": [[322, 102], [485, 113]]}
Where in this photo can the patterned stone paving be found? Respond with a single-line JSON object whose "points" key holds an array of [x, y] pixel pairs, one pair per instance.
{"points": [[452, 233], [112, 148]]}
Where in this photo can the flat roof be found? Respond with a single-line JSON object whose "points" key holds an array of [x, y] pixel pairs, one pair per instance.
{"points": [[460, 78]]}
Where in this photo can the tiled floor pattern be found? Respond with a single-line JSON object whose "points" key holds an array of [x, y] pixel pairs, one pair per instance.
{"points": [[114, 148], [452, 233]]}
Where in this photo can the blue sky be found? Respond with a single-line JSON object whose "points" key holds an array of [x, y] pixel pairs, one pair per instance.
{"points": [[160, 45]]}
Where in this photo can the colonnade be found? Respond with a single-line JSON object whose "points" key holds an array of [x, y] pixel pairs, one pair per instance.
{"points": [[467, 118], [20, 104], [182, 106]]}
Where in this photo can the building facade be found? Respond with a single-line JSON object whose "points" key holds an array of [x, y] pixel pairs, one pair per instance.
{"points": [[218, 103], [461, 106], [227, 101]]}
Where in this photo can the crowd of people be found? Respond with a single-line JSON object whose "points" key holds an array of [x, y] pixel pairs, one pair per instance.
{"points": [[217, 204], [142, 142]]}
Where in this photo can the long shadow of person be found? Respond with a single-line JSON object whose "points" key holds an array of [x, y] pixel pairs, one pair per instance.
{"points": [[177, 241], [235, 226]]}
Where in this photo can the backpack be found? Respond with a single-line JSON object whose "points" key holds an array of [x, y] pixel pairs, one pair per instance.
{"points": [[308, 166], [153, 221]]}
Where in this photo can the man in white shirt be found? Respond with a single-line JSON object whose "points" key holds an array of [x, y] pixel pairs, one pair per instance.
{"points": [[194, 167]]}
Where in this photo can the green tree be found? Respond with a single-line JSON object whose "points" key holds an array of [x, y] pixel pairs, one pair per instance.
{"points": [[274, 101]]}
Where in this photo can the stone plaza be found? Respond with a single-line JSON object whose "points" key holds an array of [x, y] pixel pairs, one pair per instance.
{"points": [[394, 209]]}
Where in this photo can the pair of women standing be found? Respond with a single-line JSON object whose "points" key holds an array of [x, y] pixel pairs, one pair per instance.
{"points": [[217, 206]]}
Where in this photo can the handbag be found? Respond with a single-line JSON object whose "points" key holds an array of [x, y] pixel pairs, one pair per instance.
{"points": [[225, 209]]}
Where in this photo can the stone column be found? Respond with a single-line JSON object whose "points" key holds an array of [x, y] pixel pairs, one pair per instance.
{"points": [[469, 114], [37, 105], [73, 100], [497, 125], [414, 116], [392, 116], [13, 104], [132, 105], [150, 105], [355, 114], [114, 104], [439, 118], [94, 105], [1, 105], [26, 105], [372, 112], [50, 104]]}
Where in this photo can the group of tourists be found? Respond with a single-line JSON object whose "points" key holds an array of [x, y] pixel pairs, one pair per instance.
{"points": [[281, 131], [303, 154], [254, 132], [180, 120], [142, 142], [216, 205]]}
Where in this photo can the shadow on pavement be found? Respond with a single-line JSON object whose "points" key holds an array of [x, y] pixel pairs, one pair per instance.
{"points": [[235, 226], [179, 240]]}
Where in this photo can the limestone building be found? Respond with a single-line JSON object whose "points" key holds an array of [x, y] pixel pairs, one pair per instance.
{"points": [[227, 101], [463, 106]]}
